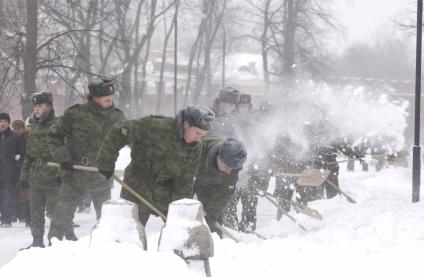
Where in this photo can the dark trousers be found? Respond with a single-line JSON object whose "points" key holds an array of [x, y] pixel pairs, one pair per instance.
{"points": [[6, 203]]}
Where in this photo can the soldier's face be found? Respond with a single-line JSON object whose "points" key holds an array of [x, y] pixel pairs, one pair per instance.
{"points": [[104, 102], [41, 109], [192, 134], [4, 124], [226, 108], [222, 166]]}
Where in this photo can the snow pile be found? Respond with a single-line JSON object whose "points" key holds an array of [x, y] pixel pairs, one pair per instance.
{"points": [[119, 223], [183, 218], [381, 235], [111, 259]]}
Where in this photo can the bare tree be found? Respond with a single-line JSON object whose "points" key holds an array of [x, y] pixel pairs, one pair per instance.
{"points": [[30, 56]]}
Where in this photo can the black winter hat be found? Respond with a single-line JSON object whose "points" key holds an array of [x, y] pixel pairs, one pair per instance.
{"points": [[228, 95], [199, 116], [42, 97], [101, 87], [5, 116], [233, 153]]}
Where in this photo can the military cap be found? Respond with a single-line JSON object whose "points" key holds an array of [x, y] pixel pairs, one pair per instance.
{"points": [[101, 87], [5, 116], [233, 153], [228, 95], [199, 116], [42, 97]]}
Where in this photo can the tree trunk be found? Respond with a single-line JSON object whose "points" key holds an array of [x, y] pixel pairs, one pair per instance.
{"points": [[289, 43], [30, 57]]}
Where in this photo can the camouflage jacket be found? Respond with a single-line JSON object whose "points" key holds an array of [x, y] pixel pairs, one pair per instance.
{"points": [[37, 154], [160, 158], [78, 134], [213, 188]]}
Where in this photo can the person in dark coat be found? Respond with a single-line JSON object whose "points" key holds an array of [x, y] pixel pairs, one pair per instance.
{"points": [[11, 155]]}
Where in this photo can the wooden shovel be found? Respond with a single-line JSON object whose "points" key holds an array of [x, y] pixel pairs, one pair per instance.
{"points": [[309, 177], [395, 160], [139, 197]]}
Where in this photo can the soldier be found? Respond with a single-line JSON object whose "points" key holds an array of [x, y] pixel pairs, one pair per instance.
{"points": [[286, 158], [220, 164], [77, 137], [258, 173], [11, 156], [225, 107], [165, 153], [43, 181], [325, 150], [226, 102]]}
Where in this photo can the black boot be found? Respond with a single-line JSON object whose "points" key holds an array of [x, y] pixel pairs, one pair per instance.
{"points": [[37, 242], [71, 236]]}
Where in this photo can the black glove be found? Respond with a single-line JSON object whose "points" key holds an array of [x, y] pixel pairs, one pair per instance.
{"points": [[24, 184], [106, 173], [67, 165], [58, 181]]}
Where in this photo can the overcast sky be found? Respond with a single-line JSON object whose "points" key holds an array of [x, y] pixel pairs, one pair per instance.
{"points": [[362, 18]]}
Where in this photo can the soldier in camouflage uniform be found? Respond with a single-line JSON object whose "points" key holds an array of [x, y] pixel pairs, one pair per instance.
{"points": [[165, 154], [325, 150], [77, 137], [43, 181], [286, 158], [225, 107], [258, 172], [220, 164]]}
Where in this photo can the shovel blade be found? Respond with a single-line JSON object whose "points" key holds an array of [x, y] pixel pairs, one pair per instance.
{"points": [[400, 161], [313, 177]]}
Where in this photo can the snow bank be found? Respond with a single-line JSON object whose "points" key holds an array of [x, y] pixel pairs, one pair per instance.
{"points": [[381, 235], [112, 259]]}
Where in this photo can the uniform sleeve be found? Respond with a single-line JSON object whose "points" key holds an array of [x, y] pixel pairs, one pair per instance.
{"points": [[349, 151], [26, 166], [118, 136], [214, 197], [57, 135]]}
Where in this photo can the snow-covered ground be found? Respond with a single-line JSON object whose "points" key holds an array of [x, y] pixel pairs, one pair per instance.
{"points": [[381, 235]]}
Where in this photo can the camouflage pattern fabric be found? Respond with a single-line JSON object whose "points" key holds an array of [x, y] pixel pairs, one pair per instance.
{"points": [[43, 180], [213, 188], [77, 137], [162, 165]]}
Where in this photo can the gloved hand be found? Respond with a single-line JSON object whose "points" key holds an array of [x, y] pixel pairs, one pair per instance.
{"points": [[67, 165], [58, 181], [106, 173], [24, 184]]}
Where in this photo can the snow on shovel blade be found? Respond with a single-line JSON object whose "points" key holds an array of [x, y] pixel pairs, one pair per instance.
{"points": [[313, 177], [396, 160]]}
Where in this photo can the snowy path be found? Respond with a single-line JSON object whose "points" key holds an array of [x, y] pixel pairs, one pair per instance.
{"points": [[381, 235]]}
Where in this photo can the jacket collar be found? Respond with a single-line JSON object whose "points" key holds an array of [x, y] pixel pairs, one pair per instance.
{"points": [[94, 108], [45, 118], [210, 161]]}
